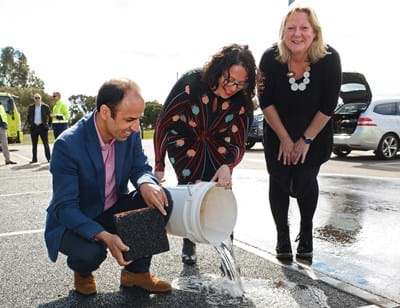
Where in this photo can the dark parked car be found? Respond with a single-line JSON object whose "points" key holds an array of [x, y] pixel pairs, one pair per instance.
{"points": [[256, 129]]}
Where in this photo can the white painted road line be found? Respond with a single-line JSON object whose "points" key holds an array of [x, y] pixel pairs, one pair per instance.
{"points": [[21, 232], [39, 175], [27, 193], [21, 156]]}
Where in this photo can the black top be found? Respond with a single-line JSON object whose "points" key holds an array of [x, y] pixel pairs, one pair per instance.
{"points": [[296, 109]]}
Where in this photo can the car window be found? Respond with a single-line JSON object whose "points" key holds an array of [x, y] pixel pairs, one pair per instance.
{"points": [[349, 87], [7, 103], [351, 108], [386, 109]]}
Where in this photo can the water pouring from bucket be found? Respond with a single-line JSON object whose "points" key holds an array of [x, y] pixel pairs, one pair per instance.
{"points": [[206, 213]]}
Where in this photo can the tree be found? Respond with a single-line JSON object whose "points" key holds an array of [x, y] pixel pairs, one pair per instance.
{"points": [[80, 105], [15, 72], [34, 81], [151, 113]]}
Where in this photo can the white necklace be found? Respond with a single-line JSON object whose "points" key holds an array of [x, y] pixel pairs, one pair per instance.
{"points": [[294, 86]]}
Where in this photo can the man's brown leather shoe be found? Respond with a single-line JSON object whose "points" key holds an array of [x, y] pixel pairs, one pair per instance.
{"points": [[145, 281], [84, 285]]}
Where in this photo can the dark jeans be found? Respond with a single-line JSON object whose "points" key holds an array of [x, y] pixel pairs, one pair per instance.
{"points": [[43, 132], [300, 182], [85, 256], [58, 128]]}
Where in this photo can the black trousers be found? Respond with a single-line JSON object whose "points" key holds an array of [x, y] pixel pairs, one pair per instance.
{"points": [[43, 132], [58, 128], [85, 256], [298, 181]]}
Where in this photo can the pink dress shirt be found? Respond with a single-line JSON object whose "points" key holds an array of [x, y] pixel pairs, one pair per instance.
{"points": [[108, 153]]}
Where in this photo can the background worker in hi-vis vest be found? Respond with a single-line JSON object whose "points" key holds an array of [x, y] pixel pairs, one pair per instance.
{"points": [[60, 115]]}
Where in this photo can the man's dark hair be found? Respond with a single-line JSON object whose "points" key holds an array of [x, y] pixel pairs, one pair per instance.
{"points": [[112, 92]]}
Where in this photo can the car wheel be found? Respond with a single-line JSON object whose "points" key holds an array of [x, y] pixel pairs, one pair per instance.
{"points": [[250, 144], [341, 152], [387, 147]]}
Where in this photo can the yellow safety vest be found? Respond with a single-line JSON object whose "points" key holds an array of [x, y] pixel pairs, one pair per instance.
{"points": [[60, 112]]}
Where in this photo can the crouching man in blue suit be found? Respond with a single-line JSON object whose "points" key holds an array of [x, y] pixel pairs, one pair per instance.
{"points": [[91, 165]]}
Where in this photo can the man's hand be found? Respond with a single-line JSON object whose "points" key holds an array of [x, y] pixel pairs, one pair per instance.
{"points": [[115, 245], [223, 176], [154, 196]]}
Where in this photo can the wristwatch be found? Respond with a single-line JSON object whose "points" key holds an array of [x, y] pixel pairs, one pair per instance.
{"points": [[307, 140]]}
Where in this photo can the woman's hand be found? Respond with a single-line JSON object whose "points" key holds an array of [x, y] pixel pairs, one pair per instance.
{"points": [[223, 177], [160, 176], [300, 150], [285, 150]]}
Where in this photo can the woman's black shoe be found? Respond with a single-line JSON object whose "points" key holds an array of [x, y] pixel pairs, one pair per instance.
{"points": [[189, 252], [305, 247], [283, 247]]}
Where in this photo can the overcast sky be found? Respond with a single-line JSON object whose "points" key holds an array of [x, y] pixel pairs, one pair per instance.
{"points": [[75, 45]]}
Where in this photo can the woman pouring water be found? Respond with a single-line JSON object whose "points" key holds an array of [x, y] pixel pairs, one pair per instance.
{"points": [[204, 122]]}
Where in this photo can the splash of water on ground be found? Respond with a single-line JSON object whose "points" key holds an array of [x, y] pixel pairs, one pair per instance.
{"points": [[258, 292]]}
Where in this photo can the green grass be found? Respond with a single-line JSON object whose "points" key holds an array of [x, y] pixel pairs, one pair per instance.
{"points": [[147, 134], [27, 138]]}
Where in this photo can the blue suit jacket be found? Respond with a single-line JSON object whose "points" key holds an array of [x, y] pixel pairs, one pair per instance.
{"points": [[79, 180]]}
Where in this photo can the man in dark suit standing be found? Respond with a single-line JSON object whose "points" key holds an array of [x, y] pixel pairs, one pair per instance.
{"points": [[39, 121]]}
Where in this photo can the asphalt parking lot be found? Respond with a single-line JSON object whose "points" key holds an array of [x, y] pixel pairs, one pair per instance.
{"points": [[29, 279]]}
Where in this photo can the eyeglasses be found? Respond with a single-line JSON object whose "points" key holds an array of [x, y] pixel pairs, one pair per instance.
{"points": [[37, 97], [54, 96], [239, 84]]}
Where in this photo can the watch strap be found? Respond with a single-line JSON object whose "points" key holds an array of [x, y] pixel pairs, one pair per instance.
{"points": [[307, 140]]}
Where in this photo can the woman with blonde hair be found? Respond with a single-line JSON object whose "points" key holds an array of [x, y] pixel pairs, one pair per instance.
{"points": [[299, 85]]}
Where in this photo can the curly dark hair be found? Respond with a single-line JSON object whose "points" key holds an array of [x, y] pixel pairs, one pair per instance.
{"points": [[223, 60]]}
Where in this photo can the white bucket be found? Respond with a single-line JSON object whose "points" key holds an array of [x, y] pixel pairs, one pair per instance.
{"points": [[202, 212]]}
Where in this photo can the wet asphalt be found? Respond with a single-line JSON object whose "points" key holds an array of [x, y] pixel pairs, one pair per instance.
{"points": [[29, 279], [356, 228]]}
